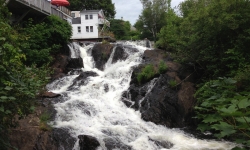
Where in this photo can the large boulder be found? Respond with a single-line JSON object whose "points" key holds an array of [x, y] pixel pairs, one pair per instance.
{"points": [[101, 54], [59, 66], [164, 99], [87, 142], [32, 134], [74, 63]]}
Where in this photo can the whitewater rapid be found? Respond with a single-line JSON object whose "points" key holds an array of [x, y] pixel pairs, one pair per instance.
{"points": [[95, 108]]}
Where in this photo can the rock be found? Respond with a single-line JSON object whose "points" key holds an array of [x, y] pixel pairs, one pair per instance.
{"points": [[101, 54], [29, 135], [50, 95], [59, 66], [119, 54], [165, 104], [165, 145], [81, 79], [112, 143], [87, 142], [74, 63]]}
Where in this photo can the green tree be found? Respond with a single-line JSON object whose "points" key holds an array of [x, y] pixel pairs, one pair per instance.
{"points": [[213, 34], [120, 28], [153, 15], [106, 5], [168, 38], [37, 48], [21, 83]]}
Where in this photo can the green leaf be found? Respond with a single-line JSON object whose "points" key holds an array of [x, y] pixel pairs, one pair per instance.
{"points": [[2, 108], [229, 81], [12, 98], [243, 119], [212, 118], [3, 97], [8, 88], [244, 103], [239, 148], [7, 112], [203, 127], [228, 111], [214, 97], [224, 128], [2, 38]]}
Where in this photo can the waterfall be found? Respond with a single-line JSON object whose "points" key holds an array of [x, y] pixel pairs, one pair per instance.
{"points": [[95, 108], [74, 50]]}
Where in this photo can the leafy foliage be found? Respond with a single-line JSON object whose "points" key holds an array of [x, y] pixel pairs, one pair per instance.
{"points": [[21, 76], [44, 118], [152, 17], [219, 43], [120, 29], [44, 39], [162, 67], [224, 109], [146, 73], [214, 35]]}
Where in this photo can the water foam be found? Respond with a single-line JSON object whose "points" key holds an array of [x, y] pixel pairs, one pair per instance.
{"points": [[95, 109]]}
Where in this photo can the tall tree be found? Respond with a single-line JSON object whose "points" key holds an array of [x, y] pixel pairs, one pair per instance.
{"points": [[120, 29], [106, 5], [153, 15]]}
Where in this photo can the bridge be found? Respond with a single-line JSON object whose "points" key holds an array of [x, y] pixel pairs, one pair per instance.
{"points": [[37, 9]]}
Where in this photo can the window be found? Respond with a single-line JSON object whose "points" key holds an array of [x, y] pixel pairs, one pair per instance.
{"points": [[86, 17], [73, 15], [79, 29], [91, 28], [87, 28], [90, 16]]}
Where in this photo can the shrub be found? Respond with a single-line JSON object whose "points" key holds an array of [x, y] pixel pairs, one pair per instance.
{"points": [[172, 83], [225, 110], [44, 118], [162, 67], [146, 73], [44, 39]]}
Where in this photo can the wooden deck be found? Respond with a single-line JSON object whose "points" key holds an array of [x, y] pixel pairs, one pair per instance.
{"points": [[36, 8]]}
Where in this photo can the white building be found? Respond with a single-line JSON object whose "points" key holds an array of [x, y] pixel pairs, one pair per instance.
{"points": [[88, 24]]}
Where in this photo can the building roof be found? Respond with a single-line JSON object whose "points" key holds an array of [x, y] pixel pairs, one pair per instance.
{"points": [[76, 20], [91, 11]]}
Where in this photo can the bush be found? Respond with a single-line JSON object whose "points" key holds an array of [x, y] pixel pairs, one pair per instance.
{"points": [[162, 67], [225, 110], [44, 118], [44, 39], [146, 74], [172, 83]]}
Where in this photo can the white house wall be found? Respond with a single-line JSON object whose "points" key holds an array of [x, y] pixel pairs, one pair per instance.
{"points": [[84, 23], [90, 22]]}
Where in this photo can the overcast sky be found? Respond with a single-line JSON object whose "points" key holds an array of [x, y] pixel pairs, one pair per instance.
{"points": [[131, 9]]}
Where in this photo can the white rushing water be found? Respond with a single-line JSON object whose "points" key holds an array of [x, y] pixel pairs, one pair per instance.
{"points": [[91, 109]]}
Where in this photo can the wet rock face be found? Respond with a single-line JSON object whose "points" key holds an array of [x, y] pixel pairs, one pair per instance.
{"points": [[59, 66], [29, 135], [112, 143], [101, 54], [74, 63], [158, 100], [50, 95], [87, 142], [120, 53], [81, 79], [160, 104]]}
